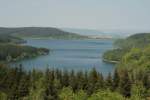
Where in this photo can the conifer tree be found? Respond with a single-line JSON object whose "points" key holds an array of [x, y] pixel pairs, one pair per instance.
{"points": [[125, 84], [65, 78], [73, 81], [116, 80], [109, 82], [93, 79]]}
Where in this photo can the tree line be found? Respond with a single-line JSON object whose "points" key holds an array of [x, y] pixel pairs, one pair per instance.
{"points": [[55, 84]]}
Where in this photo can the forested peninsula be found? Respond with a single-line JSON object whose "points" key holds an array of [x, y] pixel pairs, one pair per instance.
{"points": [[11, 49]]}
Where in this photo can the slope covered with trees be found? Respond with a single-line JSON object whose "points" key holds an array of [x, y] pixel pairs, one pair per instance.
{"points": [[10, 39], [134, 57], [140, 40], [40, 32]]}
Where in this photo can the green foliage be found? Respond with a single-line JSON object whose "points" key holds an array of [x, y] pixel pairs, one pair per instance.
{"points": [[109, 81], [106, 95], [80, 95], [3, 96], [136, 60], [66, 94], [116, 80], [125, 45], [125, 84], [37, 91], [16, 83], [137, 91], [113, 56], [133, 66]]}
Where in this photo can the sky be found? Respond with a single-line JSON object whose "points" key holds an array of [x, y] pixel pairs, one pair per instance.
{"points": [[87, 14]]}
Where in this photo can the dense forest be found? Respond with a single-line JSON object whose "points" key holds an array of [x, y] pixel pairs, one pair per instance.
{"points": [[40, 32], [132, 54], [130, 80], [17, 84]]}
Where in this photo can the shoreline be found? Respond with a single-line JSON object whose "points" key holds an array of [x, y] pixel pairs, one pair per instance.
{"points": [[110, 61], [41, 38]]}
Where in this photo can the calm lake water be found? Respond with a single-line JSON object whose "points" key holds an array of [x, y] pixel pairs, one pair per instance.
{"points": [[70, 54]]}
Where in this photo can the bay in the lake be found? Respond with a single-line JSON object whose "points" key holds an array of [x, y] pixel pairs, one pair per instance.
{"points": [[70, 55]]}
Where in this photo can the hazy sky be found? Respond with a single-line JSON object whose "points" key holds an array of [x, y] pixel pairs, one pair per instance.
{"points": [[91, 14]]}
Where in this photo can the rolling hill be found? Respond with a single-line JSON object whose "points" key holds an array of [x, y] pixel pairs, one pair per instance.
{"points": [[40, 32], [100, 33]]}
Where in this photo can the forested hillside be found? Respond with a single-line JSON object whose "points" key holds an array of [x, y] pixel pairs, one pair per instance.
{"points": [[140, 40], [133, 56], [10, 39], [40, 32]]}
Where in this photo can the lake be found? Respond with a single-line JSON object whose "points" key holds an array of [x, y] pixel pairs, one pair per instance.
{"points": [[70, 54]]}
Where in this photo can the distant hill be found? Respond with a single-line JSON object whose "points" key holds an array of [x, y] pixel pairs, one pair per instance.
{"points": [[84, 31], [40, 32], [101, 33], [139, 40]]}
